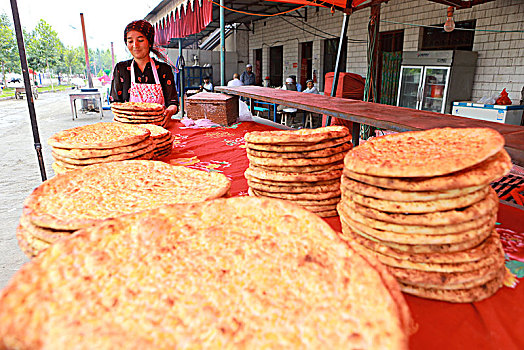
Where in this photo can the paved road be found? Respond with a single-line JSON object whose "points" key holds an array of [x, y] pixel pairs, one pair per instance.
{"points": [[19, 173]]}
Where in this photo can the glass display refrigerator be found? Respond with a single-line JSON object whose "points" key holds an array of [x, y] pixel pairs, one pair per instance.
{"points": [[433, 80]]}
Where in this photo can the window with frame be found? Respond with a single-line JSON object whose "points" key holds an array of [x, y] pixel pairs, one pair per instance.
{"points": [[438, 39]]}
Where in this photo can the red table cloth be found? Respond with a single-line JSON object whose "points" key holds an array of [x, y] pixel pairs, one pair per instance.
{"points": [[494, 323]]}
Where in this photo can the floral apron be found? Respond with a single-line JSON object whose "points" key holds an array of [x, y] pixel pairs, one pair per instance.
{"points": [[151, 93]]}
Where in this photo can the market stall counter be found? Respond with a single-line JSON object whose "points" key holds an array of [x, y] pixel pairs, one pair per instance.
{"points": [[493, 323]]}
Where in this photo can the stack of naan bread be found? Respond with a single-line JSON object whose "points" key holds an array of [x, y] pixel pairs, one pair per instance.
{"points": [[236, 273], [302, 166], [99, 143], [422, 204], [139, 113], [83, 197], [162, 139]]}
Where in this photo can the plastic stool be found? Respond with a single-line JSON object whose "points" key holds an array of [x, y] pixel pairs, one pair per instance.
{"points": [[285, 113]]}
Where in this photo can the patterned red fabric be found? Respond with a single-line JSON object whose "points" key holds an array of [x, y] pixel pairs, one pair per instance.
{"points": [[494, 323]]}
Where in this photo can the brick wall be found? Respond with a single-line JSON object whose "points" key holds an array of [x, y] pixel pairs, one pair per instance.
{"points": [[500, 55]]}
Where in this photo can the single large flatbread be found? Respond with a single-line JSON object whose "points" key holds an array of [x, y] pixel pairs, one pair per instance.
{"points": [[295, 161], [99, 135], [94, 152], [468, 295], [293, 184], [449, 217], [302, 196], [483, 173], [84, 196], [351, 232], [204, 275], [300, 147], [264, 174], [303, 202], [157, 132], [426, 153], [414, 229], [137, 115], [42, 233], [403, 196], [418, 207], [302, 136], [137, 106], [322, 153], [63, 166], [123, 119], [106, 159]]}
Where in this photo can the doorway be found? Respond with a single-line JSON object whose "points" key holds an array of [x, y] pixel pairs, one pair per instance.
{"points": [[258, 66], [276, 62], [390, 47], [330, 57], [306, 63]]}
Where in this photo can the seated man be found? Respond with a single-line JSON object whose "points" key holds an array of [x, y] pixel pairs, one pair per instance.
{"points": [[236, 81], [208, 86], [289, 85], [310, 87]]}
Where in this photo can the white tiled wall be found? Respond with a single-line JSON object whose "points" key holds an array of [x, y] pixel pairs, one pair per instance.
{"points": [[500, 55]]}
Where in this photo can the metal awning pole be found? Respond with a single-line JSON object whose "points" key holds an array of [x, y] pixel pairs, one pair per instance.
{"points": [[222, 45], [28, 91], [342, 40], [181, 68]]}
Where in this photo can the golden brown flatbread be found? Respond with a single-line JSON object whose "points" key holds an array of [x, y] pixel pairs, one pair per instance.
{"points": [[301, 147], [449, 217], [99, 135], [483, 173], [137, 106], [302, 136], [84, 196], [293, 189], [300, 196], [295, 161], [293, 184], [205, 274], [304, 169], [426, 153], [111, 158], [264, 174], [94, 152], [322, 153]]}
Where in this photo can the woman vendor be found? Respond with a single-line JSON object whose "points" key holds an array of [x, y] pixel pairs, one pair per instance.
{"points": [[142, 78]]}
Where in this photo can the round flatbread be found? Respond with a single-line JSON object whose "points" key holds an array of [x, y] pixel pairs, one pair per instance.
{"points": [[351, 232], [414, 229], [137, 106], [403, 196], [300, 196], [309, 147], [296, 161], [302, 136], [293, 184], [260, 173], [84, 196], [99, 135], [42, 233], [322, 153], [303, 202], [426, 153], [112, 158], [157, 132], [30, 245], [122, 119], [93, 153], [418, 207], [304, 169], [294, 189], [205, 274], [449, 217], [483, 173], [468, 295]]}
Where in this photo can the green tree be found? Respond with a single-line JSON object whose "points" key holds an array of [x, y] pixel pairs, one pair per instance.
{"points": [[9, 58], [44, 48], [73, 60]]}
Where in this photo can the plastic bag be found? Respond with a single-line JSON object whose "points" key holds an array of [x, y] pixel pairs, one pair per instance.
{"points": [[488, 100], [244, 114], [503, 98]]}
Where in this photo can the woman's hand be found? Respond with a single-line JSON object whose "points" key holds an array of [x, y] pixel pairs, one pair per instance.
{"points": [[169, 111]]}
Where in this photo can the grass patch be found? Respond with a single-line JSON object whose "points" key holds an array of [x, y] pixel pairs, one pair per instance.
{"points": [[10, 92]]}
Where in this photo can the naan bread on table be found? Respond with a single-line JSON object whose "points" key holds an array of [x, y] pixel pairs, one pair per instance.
{"points": [[325, 152], [427, 153], [303, 147], [243, 272], [85, 196], [137, 106], [99, 135], [302, 136]]}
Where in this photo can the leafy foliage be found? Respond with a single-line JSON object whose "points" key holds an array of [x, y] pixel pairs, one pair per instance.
{"points": [[9, 61], [44, 48]]}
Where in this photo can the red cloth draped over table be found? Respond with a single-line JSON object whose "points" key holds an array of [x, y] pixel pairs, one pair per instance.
{"points": [[188, 19], [494, 323]]}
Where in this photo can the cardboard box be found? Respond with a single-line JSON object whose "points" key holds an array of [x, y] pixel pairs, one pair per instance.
{"points": [[219, 108]]}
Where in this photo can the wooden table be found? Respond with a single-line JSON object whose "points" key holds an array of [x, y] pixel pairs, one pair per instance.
{"points": [[379, 115], [85, 95]]}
